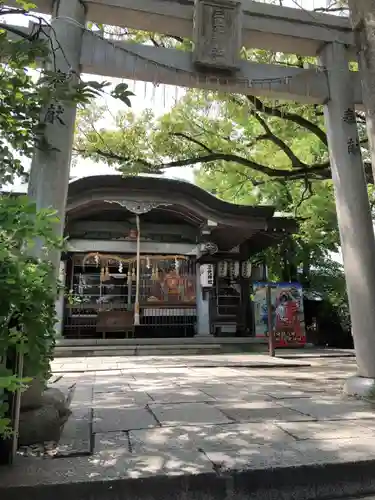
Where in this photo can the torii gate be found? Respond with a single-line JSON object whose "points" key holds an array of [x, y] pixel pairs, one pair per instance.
{"points": [[218, 29]]}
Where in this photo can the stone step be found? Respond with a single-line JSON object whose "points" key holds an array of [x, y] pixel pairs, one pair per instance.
{"points": [[72, 353], [93, 347], [136, 350], [248, 341], [138, 346]]}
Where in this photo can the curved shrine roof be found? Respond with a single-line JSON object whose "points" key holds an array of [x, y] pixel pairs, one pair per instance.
{"points": [[105, 187], [235, 223]]}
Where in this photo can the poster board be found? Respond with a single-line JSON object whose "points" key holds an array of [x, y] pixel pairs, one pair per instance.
{"points": [[287, 313]]}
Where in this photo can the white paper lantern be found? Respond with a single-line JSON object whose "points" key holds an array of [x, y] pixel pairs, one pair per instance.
{"points": [[246, 269], [222, 269], [234, 269]]}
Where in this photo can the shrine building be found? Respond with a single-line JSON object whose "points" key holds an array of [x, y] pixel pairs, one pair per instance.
{"points": [[153, 257]]}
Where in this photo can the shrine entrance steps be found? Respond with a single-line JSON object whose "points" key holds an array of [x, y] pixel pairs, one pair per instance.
{"points": [[155, 347]]}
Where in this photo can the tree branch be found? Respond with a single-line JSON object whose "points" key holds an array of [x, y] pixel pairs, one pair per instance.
{"points": [[114, 156], [318, 171], [293, 117], [177, 38], [18, 32], [191, 139], [154, 42], [332, 9], [306, 194], [269, 135]]}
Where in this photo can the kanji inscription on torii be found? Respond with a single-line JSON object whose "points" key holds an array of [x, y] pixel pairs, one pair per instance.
{"points": [[217, 34]]}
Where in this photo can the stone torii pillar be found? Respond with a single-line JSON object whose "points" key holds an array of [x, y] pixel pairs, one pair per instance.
{"points": [[50, 168], [353, 214], [362, 15]]}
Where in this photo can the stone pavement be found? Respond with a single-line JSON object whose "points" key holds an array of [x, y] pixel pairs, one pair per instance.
{"points": [[136, 417]]}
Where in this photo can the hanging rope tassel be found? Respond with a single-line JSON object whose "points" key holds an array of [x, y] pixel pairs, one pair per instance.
{"points": [[136, 305]]}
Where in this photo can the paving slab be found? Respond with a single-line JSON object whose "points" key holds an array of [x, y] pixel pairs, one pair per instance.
{"points": [[84, 378], [112, 442], [355, 449], [82, 396], [179, 395], [328, 429], [104, 372], [122, 419], [116, 384], [220, 372], [139, 371], [188, 414], [255, 456], [120, 399], [208, 437], [116, 463], [230, 394], [293, 393], [256, 385], [258, 411], [150, 385], [70, 368], [330, 408], [194, 381], [113, 451], [177, 371], [367, 423], [76, 435]]}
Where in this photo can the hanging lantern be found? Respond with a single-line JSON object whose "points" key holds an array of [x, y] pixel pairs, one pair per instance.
{"points": [[222, 269], [133, 234], [234, 269], [246, 269], [134, 276], [129, 278]]}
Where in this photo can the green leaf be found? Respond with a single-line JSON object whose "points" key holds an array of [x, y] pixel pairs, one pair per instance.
{"points": [[26, 5]]}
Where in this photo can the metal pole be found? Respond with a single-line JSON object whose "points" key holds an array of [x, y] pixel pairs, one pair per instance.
{"points": [[136, 305], [271, 337]]}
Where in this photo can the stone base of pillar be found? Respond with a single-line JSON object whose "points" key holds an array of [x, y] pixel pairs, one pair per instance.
{"points": [[360, 387]]}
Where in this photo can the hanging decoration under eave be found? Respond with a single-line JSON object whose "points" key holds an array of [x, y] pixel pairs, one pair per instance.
{"points": [[138, 208], [100, 258]]}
